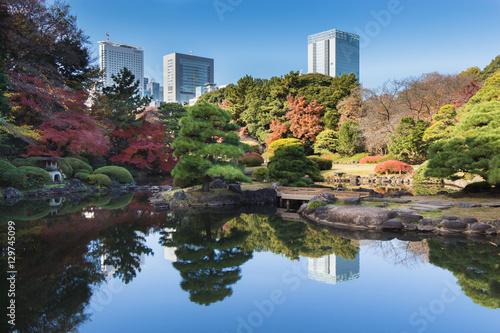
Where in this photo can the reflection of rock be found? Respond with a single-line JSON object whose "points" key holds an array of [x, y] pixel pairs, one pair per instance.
{"points": [[333, 269]]}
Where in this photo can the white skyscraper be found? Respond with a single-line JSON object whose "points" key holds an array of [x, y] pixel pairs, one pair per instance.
{"points": [[333, 53], [113, 57]]}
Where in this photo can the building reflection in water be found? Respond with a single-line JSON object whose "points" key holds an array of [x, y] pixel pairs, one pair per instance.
{"points": [[333, 269], [169, 253]]}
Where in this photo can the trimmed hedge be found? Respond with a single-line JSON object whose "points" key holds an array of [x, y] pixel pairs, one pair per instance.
{"points": [[116, 173], [369, 159], [283, 143], [260, 173], [256, 155], [323, 163], [251, 161], [26, 178], [81, 176], [5, 166], [78, 165], [100, 180], [393, 166]]}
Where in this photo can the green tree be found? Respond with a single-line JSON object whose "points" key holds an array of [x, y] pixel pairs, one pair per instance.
{"points": [[406, 143], [349, 140], [121, 103], [289, 166], [207, 147], [326, 142], [171, 114], [442, 124], [492, 68], [474, 145]]}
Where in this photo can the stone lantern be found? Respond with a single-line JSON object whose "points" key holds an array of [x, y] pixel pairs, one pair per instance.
{"points": [[52, 168]]}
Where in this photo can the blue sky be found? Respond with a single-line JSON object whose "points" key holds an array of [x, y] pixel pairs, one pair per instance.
{"points": [[399, 38]]}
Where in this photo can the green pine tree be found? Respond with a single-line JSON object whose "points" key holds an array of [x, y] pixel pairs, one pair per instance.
{"points": [[207, 148]]}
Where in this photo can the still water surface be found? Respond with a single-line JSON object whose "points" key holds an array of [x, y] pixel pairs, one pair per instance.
{"points": [[113, 265]]}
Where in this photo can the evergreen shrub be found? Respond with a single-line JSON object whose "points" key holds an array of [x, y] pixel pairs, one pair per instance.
{"points": [[100, 180], [116, 173], [26, 178], [323, 163]]}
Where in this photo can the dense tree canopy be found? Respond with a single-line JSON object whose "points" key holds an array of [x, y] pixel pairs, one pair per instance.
{"points": [[207, 147], [474, 144]]}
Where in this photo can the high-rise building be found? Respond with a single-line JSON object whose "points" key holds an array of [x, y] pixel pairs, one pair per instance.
{"points": [[113, 57], [333, 52], [182, 73]]}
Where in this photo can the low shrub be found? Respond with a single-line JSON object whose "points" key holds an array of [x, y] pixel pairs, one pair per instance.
{"points": [[389, 167], [283, 143], [251, 161], [387, 158], [99, 180], [260, 173], [255, 155], [81, 176], [477, 187], [323, 163], [315, 204], [78, 165], [4, 167], [116, 173], [369, 159], [26, 178]]}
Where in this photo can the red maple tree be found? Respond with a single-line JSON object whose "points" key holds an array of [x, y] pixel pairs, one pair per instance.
{"points": [[70, 133], [305, 118], [146, 147]]}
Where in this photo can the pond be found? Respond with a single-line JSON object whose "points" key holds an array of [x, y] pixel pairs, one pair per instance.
{"points": [[111, 264]]}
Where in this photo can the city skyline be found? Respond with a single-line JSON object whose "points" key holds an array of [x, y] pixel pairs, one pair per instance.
{"points": [[261, 39]]}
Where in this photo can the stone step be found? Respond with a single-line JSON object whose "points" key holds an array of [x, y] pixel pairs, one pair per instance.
{"points": [[491, 204], [424, 209], [436, 203], [429, 206], [386, 200], [404, 210]]}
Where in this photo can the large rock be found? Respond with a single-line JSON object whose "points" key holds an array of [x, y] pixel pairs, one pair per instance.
{"points": [[479, 228], [260, 197], [327, 198], [179, 195], [236, 188], [393, 225], [454, 226], [359, 216], [410, 218], [352, 201], [218, 183], [467, 219]]}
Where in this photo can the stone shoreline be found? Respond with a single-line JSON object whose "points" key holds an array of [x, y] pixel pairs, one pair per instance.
{"points": [[359, 218]]}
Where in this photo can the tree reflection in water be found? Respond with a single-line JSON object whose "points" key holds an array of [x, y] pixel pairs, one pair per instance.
{"points": [[475, 265]]}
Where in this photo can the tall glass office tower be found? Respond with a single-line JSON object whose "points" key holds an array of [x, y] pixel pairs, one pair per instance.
{"points": [[333, 52], [113, 57], [182, 73]]}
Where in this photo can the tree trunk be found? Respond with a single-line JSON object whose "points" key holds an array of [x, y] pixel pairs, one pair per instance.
{"points": [[206, 184]]}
